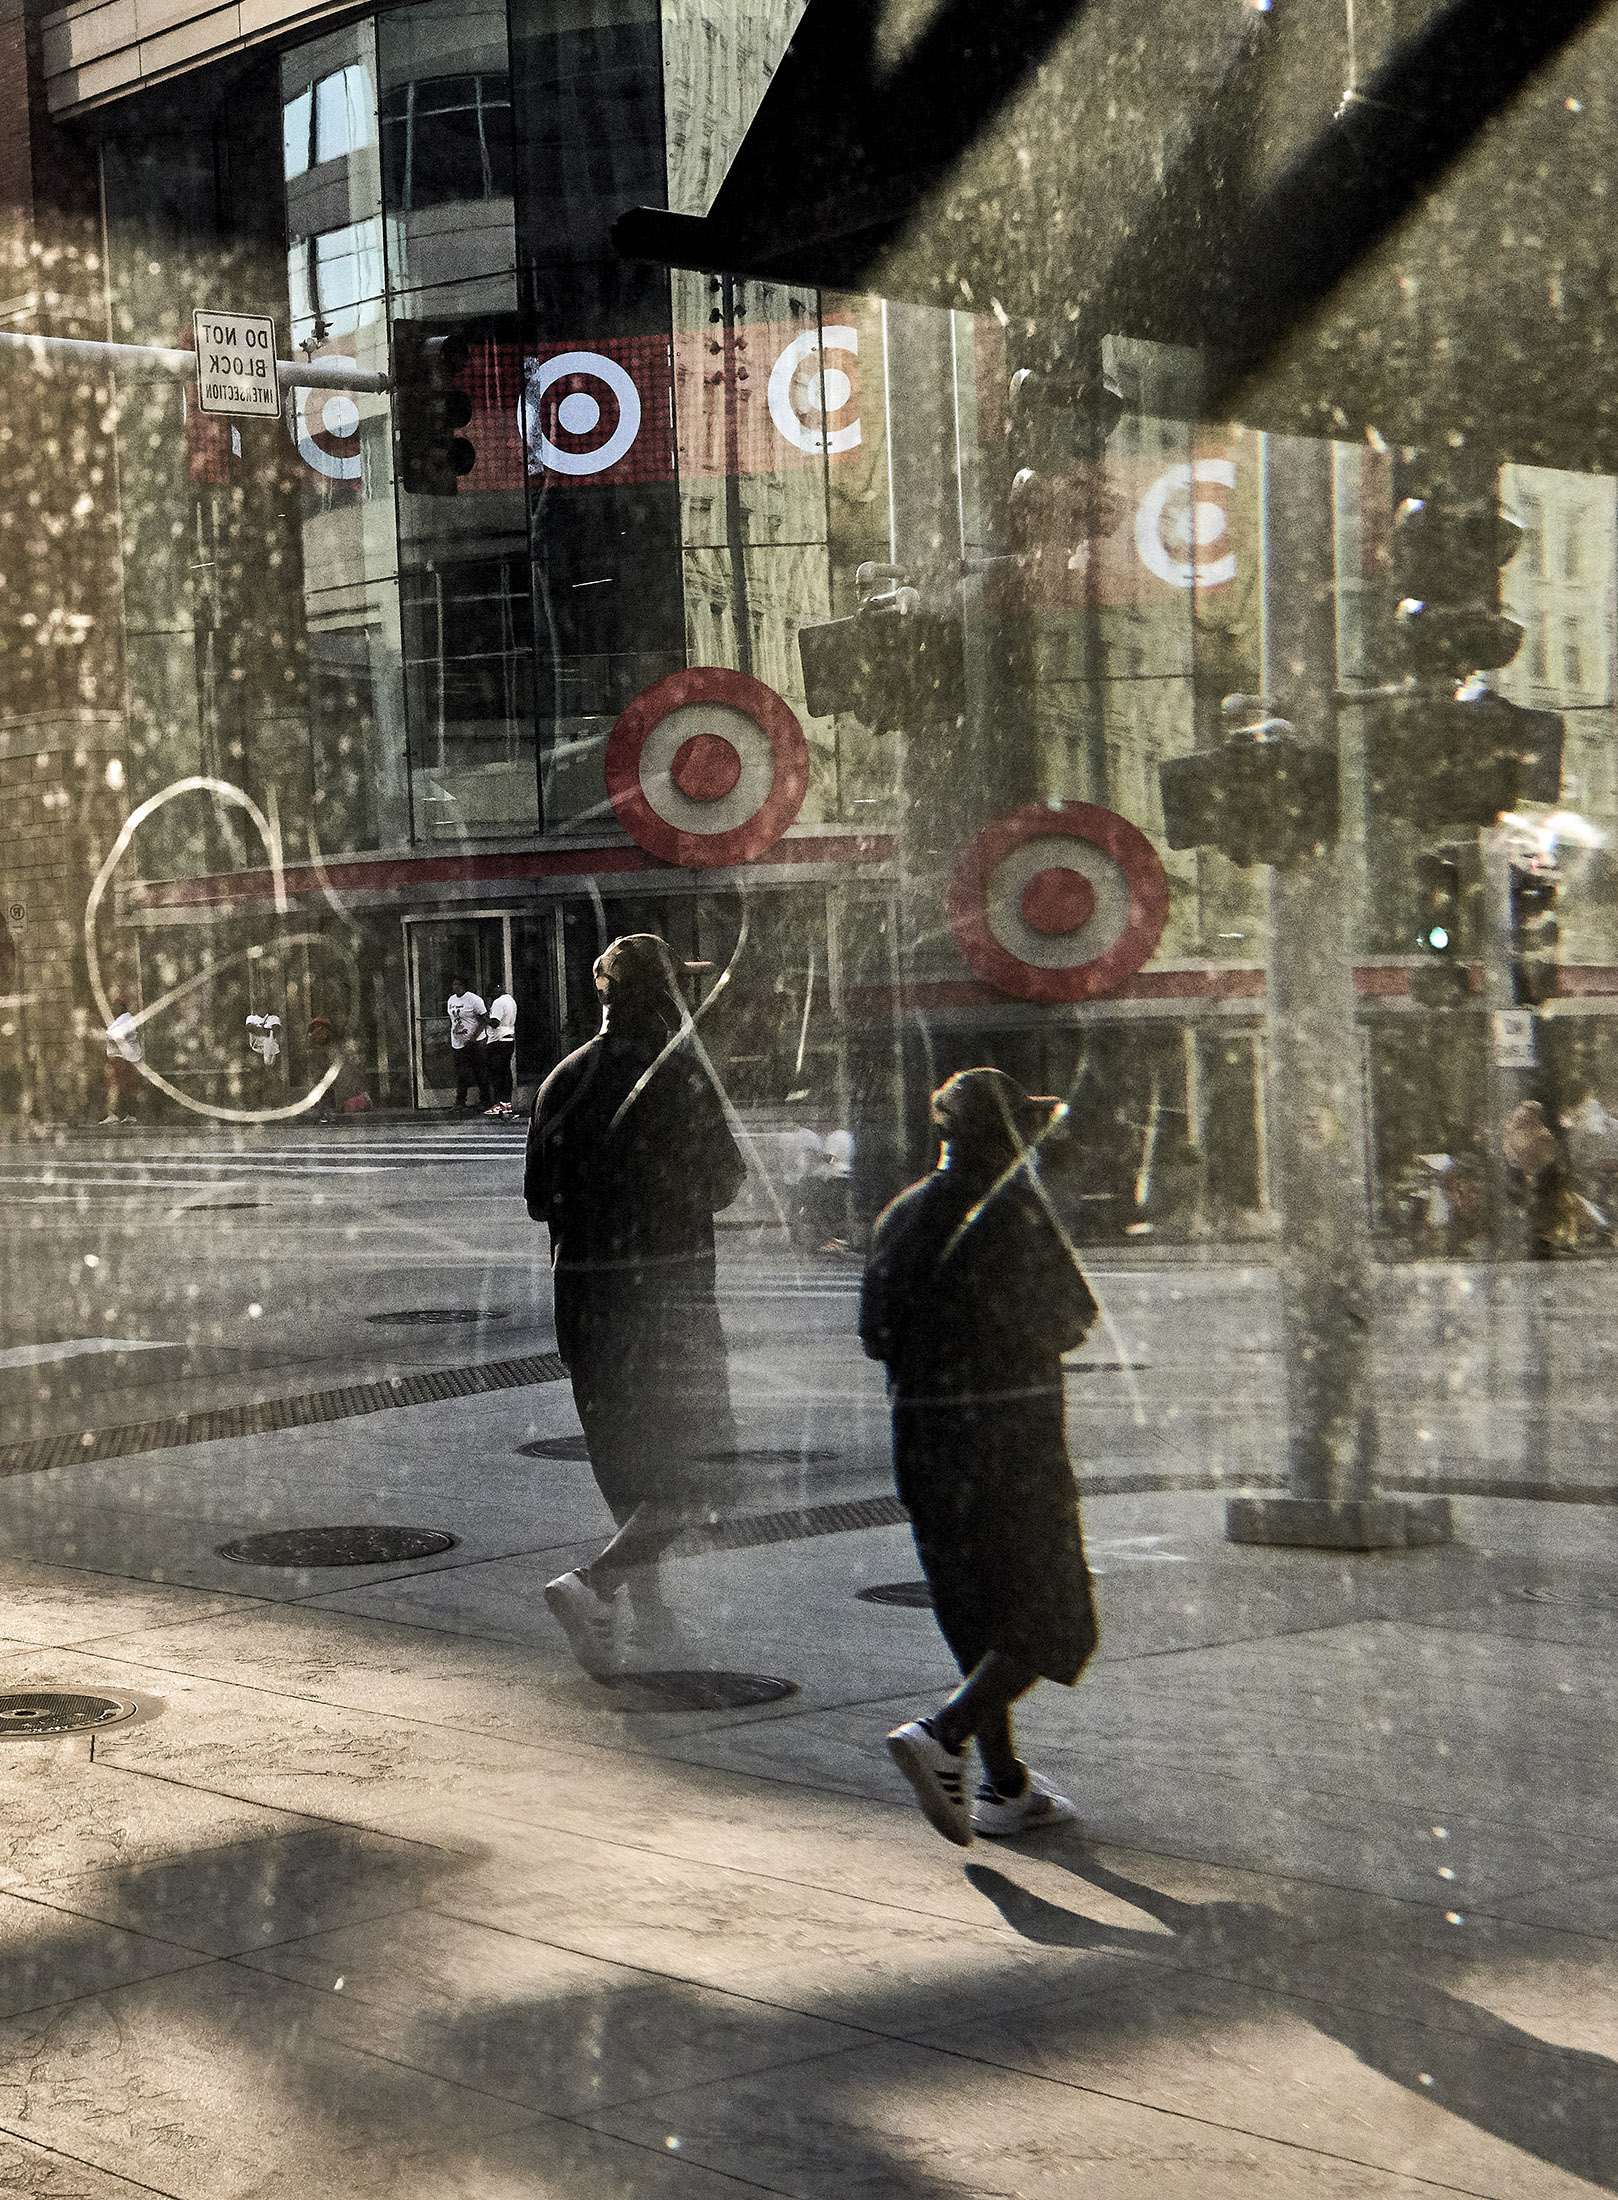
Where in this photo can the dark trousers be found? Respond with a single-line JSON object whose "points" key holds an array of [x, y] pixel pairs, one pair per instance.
{"points": [[471, 1069], [502, 1060]]}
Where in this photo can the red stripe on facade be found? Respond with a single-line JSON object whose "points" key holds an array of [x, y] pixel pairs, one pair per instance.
{"points": [[360, 875]]}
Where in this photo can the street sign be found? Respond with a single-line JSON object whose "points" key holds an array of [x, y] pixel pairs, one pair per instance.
{"points": [[236, 364], [1514, 1038], [707, 767], [16, 917], [1058, 903]]}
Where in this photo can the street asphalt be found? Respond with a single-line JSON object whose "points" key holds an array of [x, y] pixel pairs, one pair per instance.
{"points": [[380, 1895]]}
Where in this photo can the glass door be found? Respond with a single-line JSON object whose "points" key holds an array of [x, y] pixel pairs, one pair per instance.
{"points": [[474, 950]]}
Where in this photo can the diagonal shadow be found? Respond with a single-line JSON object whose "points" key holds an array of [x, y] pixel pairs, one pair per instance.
{"points": [[1559, 2104]]}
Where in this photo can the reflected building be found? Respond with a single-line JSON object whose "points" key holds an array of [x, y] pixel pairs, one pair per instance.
{"points": [[416, 690]]}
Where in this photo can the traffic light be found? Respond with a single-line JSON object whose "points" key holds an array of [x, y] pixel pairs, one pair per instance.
{"points": [[1440, 981], [1449, 544], [1438, 926], [1262, 796], [1057, 426], [429, 411], [893, 665], [1465, 760], [1534, 932]]}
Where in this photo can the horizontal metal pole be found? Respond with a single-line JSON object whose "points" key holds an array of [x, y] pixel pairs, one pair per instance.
{"points": [[181, 366]]}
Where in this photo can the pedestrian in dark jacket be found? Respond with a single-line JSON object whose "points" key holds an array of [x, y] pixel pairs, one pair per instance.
{"points": [[629, 1157], [971, 1296]]}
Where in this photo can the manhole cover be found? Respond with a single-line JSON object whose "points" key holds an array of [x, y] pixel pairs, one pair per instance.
{"points": [[555, 1447], [364, 1546], [43, 1711], [914, 1593], [707, 1691], [408, 1316], [767, 1457]]}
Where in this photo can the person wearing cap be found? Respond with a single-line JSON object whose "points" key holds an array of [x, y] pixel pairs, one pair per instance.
{"points": [[971, 1296], [629, 1158]]}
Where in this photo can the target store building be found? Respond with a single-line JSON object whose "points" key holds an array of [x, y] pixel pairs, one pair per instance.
{"points": [[483, 729]]}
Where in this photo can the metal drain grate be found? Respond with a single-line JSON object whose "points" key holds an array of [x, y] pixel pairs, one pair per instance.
{"points": [[358, 1546], [749, 1529], [410, 1317], [266, 1415], [768, 1457], [49, 1711], [1595, 1599], [705, 1691], [913, 1593]]}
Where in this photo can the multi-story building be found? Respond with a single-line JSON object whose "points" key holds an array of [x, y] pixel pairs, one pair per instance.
{"points": [[414, 692]]}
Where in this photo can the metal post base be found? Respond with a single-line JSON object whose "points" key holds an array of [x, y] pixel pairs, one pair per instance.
{"points": [[1339, 1523]]}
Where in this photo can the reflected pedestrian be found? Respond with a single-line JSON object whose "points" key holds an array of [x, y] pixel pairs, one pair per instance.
{"points": [[629, 1158], [500, 1054], [468, 1015], [124, 1056], [971, 1297]]}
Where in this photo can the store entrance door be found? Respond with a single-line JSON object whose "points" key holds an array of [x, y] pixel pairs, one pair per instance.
{"points": [[475, 948]]}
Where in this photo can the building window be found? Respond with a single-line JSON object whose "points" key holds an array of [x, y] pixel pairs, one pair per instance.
{"points": [[334, 281], [329, 120], [446, 139]]}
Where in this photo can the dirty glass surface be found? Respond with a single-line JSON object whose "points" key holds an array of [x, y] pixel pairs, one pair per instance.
{"points": [[1053, 571]]}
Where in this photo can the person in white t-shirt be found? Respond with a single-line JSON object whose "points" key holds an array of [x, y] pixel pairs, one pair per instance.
{"points": [[500, 1053], [124, 1054], [468, 1015]]}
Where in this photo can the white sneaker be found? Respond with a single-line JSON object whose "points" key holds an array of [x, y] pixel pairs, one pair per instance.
{"points": [[938, 1776], [589, 1622], [1039, 1804]]}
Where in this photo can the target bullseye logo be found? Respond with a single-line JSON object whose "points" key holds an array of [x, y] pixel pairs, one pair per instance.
{"points": [[325, 426], [707, 767], [588, 424], [802, 383], [1173, 526], [1058, 903]]}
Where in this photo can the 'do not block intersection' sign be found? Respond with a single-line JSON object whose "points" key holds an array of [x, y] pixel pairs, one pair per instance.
{"points": [[236, 364], [1058, 903], [707, 767]]}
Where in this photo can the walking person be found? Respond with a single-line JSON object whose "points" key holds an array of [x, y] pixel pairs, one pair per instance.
{"points": [[124, 1056], [467, 1017], [499, 1044], [971, 1297], [629, 1158]]}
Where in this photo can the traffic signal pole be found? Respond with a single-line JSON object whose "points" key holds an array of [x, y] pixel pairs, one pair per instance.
{"points": [[1315, 1095], [166, 363], [1511, 1081]]}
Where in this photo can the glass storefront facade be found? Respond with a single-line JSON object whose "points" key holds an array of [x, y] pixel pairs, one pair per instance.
{"points": [[414, 681]]}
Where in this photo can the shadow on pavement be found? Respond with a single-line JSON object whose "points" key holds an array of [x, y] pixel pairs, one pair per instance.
{"points": [[1558, 2103]]}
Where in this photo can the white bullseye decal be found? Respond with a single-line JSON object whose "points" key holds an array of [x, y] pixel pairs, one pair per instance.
{"points": [[1058, 903], [707, 767], [802, 384], [581, 412], [325, 426], [1171, 522]]}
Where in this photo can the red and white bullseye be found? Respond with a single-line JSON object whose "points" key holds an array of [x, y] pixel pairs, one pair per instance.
{"points": [[600, 435], [325, 426], [1058, 903], [707, 767]]}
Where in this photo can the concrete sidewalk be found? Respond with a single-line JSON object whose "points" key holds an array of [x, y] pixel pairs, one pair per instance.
{"points": [[386, 1898]]}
